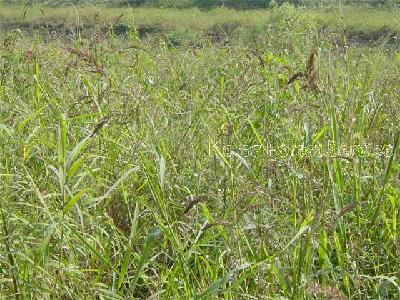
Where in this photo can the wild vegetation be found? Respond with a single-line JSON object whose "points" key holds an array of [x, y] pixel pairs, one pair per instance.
{"points": [[186, 154], [208, 4]]}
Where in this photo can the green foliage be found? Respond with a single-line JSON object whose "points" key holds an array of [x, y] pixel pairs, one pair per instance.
{"points": [[187, 154], [207, 4]]}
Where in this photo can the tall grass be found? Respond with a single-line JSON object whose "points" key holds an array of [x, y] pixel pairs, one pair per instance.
{"points": [[261, 165]]}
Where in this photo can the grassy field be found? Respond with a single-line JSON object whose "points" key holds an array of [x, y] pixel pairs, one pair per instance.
{"points": [[161, 154], [371, 22]]}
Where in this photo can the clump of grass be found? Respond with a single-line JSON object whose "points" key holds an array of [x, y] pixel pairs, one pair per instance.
{"points": [[136, 167]]}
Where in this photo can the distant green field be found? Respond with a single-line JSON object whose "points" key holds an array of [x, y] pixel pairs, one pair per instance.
{"points": [[155, 153], [361, 24], [208, 4]]}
